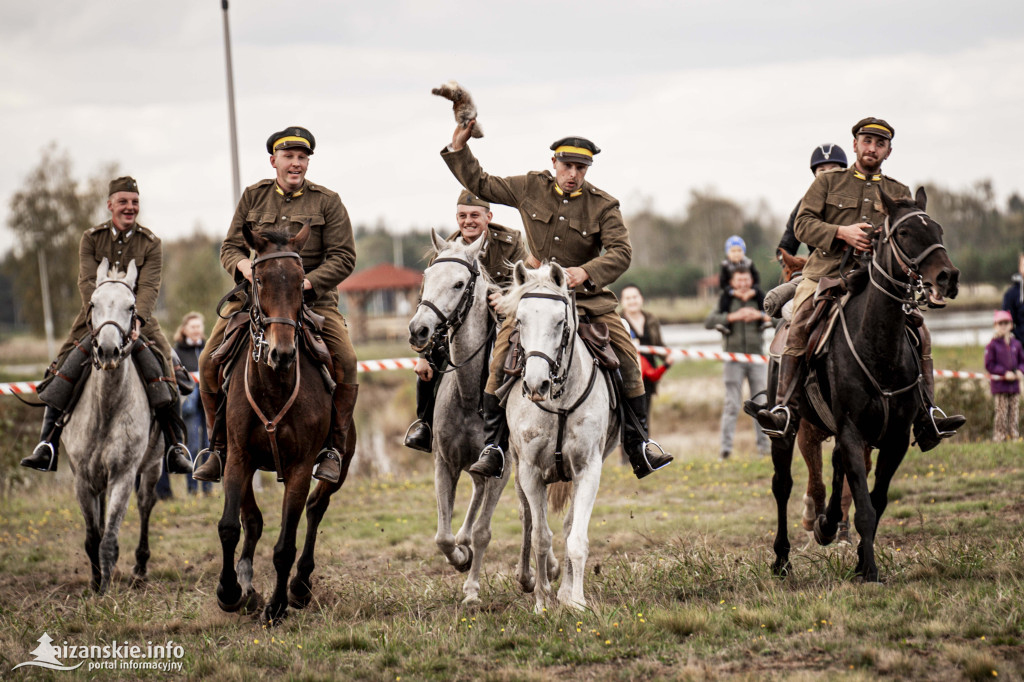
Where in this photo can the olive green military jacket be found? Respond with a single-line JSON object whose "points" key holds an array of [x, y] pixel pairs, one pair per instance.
{"points": [[584, 230], [120, 248], [330, 252], [503, 248], [837, 198]]}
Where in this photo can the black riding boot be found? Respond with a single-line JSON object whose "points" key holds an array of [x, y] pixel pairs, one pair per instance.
{"points": [[44, 456], [778, 420], [933, 424], [420, 433], [491, 461], [327, 466], [635, 442], [211, 469], [177, 459]]}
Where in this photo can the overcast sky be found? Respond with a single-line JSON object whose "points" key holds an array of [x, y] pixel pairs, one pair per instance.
{"points": [[724, 95]]}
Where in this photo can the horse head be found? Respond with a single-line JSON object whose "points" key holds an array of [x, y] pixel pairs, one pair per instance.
{"points": [[546, 315], [448, 286], [277, 279], [916, 241], [112, 314]]}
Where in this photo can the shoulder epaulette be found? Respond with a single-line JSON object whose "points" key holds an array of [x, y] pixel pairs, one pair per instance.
{"points": [[503, 234], [147, 232]]}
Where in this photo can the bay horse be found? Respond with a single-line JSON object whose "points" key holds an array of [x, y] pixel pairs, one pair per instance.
{"points": [[561, 428], [111, 436], [278, 416], [453, 309], [870, 377]]}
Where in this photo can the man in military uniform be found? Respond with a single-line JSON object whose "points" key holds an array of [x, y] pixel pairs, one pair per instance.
{"points": [[578, 226], [286, 202], [839, 211], [503, 248], [120, 240]]}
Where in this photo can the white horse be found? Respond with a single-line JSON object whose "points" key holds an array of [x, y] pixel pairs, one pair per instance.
{"points": [[111, 436], [562, 389], [454, 307]]}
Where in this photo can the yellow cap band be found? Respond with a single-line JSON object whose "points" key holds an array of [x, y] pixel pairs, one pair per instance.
{"points": [[574, 150], [290, 138], [875, 125]]}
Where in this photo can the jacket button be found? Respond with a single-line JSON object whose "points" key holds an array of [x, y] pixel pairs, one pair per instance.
{"points": [[561, 217], [533, 215], [557, 239], [584, 233]]}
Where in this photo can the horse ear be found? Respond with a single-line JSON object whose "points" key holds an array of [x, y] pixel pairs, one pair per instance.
{"points": [[558, 275], [436, 241], [132, 274], [248, 236], [102, 270], [519, 273], [887, 201], [476, 247], [299, 240], [921, 198]]}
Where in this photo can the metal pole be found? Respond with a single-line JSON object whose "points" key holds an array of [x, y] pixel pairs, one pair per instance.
{"points": [[231, 105], [44, 283]]}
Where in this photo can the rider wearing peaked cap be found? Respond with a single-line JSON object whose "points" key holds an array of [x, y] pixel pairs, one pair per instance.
{"points": [[120, 241], [578, 226]]}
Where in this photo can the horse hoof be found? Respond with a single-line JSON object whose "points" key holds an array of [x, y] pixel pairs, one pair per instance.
{"points": [[139, 580], [528, 584], [247, 602], [273, 614], [299, 595], [471, 600], [820, 535], [781, 569], [464, 566]]}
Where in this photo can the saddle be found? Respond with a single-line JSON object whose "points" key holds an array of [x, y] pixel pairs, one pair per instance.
{"points": [[237, 331]]}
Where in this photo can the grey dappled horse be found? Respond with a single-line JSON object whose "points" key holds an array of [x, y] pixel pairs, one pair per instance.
{"points": [[455, 287], [560, 381], [111, 436]]}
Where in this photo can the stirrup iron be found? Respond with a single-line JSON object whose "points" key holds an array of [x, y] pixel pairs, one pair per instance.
{"points": [[785, 429], [942, 415]]}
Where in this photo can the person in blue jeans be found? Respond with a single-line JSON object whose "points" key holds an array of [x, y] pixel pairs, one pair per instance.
{"points": [[188, 343]]}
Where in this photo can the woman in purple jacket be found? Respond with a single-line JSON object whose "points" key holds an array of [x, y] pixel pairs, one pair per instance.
{"points": [[1004, 360]]}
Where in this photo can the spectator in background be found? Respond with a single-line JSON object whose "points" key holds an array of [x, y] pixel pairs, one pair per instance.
{"points": [[736, 256], [189, 340], [1013, 300], [1004, 360], [645, 329], [744, 316]]}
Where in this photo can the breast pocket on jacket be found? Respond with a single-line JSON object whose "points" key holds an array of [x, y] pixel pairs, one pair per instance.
{"points": [[537, 213]]}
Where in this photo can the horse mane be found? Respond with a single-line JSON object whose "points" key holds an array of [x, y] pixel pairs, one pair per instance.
{"points": [[535, 279]]}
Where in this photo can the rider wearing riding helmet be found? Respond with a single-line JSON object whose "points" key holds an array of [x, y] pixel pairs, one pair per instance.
{"points": [[579, 227], [840, 210], [120, 241], [504, 246], [286, 202]]}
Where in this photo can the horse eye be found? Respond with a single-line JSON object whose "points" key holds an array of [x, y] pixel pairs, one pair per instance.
{"points": [[459, 285]]}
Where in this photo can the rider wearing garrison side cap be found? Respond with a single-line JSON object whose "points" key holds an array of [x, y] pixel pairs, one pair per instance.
{"points": [[502, 248], [285, 203], [120, 241], [838, 212], [578, 226]]}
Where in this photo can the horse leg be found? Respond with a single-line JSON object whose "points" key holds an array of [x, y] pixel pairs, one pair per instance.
{"points": [[492, 489], [524, 574], [300, 589], [827, 524], [296, 488], [782, 486], [445, 480], [865, 518], [252, 522], [577, 544], [92, 511], [117, 505], [464, 536], [146, 496], [890, 456], [536, 496], [847, 494], [229, 528], [809, 439]]}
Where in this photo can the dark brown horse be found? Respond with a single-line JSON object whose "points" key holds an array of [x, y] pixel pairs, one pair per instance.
{"points": [[278, 416]]}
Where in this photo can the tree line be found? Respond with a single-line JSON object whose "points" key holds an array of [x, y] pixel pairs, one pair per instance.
{"points": [[671, 254]]}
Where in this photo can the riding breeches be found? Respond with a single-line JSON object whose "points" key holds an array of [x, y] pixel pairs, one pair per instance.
{"points": [[625, 351], [803, 306], [334, 334], [152, 331]]}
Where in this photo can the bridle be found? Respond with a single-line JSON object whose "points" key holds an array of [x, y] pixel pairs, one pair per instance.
{"points": [[556, 372], [913, 294], [451, 323], [125, 347], [258, 328]]}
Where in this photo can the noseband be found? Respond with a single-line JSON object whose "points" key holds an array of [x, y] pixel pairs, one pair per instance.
{"points": [[914, 291], [258, 328], [555, 372], [451, 323], [126, 334]]}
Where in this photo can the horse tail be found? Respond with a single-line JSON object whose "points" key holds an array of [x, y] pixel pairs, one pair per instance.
{"points": [[558, 495]]}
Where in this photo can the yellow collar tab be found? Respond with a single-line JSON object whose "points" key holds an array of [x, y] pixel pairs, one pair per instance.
{"points": [[297, 193], [860, 176], [290, 138], [559, 192], [566, 149]]}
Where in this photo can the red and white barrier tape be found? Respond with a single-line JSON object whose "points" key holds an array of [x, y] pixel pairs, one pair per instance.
{"points": [[27, 387]]}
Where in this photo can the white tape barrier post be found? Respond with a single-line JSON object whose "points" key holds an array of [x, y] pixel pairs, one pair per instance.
{"points": [[27, 387]]}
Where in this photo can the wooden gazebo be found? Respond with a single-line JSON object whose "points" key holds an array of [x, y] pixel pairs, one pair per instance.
{"points": [[387, 293]]}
